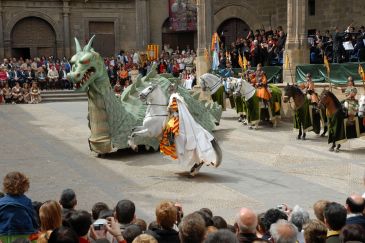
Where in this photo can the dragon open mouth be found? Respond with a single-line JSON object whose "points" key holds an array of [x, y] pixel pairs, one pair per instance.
{"points": [[87, 75]]}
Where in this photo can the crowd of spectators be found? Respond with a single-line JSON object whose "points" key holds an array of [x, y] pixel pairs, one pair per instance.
{"points": [[261, 46], [62, 221], [339, 46], [17, 76]]}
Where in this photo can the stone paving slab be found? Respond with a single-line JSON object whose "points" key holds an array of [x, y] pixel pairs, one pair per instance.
{"points": [[260, 169]]}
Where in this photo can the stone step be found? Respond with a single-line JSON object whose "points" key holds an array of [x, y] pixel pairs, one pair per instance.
{"points": [[63, 99], [62, 96]]}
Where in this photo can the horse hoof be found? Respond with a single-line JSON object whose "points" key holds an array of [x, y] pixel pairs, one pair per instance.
{"points": [[303, 138], [323, 134], [337, 150], [102, 156], [298, 137], [332, 149], [195, 169], [250, 127]]}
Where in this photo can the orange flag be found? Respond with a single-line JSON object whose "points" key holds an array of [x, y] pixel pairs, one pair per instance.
{"points": [[245, 62], [327, 64], [240, 61], [361, 72]]}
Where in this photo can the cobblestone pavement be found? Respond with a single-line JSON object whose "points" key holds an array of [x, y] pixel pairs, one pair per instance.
{"points": [[260, 168]]}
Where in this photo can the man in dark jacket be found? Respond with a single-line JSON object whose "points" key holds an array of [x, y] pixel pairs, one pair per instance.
{"points": [[166, 216], [355, 207], [335, 219]]}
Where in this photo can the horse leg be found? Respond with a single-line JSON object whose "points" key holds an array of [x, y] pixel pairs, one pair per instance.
{"points": [[275, 122], [338, 148], [138, 128], [300, 131], [131, 143], [304, 135], [332, 148], [195, 169], [325, 129]]}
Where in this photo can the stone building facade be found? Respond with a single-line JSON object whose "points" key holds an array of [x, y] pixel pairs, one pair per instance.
{"points": [[40, 27]]}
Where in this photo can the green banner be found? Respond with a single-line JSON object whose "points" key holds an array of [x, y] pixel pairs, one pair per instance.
{"points": [[339, 72]]}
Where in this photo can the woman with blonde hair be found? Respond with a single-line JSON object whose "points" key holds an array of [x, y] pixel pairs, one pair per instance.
{"points": [[50, 215]]}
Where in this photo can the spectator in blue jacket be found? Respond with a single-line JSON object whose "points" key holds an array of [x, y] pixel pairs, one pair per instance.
{"points": [[17, 216]]}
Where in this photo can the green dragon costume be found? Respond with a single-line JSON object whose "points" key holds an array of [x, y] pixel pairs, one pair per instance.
{"points": [[112, 119]]}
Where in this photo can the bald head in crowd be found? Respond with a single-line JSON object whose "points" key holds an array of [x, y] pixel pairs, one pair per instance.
{"points": [[355, 204], [246, 221], [283, 231]]}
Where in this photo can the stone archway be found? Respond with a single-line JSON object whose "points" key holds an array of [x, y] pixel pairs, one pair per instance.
{"points": [[32, 36], [239, 11], [231, 29], [9, 26]]}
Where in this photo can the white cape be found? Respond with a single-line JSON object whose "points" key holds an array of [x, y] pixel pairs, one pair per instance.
{"points": [[193, 144]]}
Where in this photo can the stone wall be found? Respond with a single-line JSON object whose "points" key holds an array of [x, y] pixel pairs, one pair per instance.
{"points": [[78, 13], [131, 32]]}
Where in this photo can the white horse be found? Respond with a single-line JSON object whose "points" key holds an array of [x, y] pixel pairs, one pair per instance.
{"points": [[248, 92], [215, 86], [154, 123], [156, 114]]}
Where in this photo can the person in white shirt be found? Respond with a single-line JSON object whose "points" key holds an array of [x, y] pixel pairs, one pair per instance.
{"points": [[188, 82]]}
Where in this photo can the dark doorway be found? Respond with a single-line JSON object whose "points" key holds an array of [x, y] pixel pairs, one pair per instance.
{"points": [[20, 52], [232, 29], [104, 41], [183, 39]]}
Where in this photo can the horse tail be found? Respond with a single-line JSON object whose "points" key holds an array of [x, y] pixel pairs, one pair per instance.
{"points": [[218, 152]]}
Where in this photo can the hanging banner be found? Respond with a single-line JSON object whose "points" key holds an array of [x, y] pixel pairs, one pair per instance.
{"points": [[183, 15]]}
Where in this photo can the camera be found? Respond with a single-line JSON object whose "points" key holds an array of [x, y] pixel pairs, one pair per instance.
{"points": [[281, 207], [99, 224]]}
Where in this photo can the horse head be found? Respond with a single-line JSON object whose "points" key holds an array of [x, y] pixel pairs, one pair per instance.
{"points": [[328, 99], [288, 93], [146, 93], [247, 90], [208, 80]]}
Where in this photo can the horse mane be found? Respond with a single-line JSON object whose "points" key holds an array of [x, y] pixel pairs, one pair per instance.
{"points": [[297, 90], [333, 97]]}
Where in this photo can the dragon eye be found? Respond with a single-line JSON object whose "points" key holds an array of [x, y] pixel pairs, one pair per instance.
{"points": [[85, 62]]}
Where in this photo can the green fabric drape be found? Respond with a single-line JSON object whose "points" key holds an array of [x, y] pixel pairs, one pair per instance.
{"points": [[338, 74]]}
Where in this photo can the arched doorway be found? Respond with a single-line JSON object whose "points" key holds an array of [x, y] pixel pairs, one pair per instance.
{"points": [[177, 38], [33, 37], [232, 29]]}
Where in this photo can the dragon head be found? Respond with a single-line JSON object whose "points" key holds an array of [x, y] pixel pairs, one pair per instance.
{"points": [[87, 65]]}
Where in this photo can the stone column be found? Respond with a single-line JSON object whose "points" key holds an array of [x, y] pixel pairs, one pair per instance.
{"points": [[205, 31], [66, 28], [296, 46], [142, 24]]}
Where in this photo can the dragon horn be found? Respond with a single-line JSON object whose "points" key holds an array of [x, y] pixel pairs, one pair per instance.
{"points": [[78, 47], [88, 46]]}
